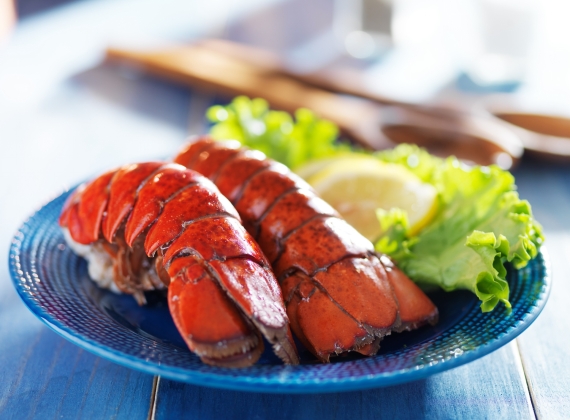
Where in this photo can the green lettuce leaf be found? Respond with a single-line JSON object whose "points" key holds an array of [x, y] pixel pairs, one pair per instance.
{"points": [[287, 140], [482, 224]]}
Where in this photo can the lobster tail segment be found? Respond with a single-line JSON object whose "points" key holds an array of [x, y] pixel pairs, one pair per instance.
{"points": [[338, 292], [207, 319], [416, 309], [162, 225]]}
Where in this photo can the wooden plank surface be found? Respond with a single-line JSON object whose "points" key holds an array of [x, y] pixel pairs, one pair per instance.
{"points": [[491, 387], [53, 378], [545, 346], [44, 376]]}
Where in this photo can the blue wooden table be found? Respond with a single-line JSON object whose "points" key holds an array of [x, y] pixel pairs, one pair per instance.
{"points": [[65, 117]]}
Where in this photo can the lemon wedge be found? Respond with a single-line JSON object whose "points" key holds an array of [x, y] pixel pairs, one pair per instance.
{"points": [[357, 186], [310, 168]]}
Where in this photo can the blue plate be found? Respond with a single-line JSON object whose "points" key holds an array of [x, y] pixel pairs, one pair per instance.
{"points": [[53, 282]]}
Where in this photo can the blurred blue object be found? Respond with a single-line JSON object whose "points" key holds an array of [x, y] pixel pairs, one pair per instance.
{"points": [[63, 297], [466, 83], [26, 8]]}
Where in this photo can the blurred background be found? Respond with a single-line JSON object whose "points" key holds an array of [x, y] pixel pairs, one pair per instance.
{"points": [[412, 49], [56, 89]]}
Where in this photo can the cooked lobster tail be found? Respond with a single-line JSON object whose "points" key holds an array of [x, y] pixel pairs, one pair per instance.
{"points": [[161, 225], [338, 294]]}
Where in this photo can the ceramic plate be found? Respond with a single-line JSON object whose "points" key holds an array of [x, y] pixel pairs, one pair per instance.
{"points": [[53, 282]]}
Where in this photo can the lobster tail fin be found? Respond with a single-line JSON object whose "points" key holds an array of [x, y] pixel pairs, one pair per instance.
{"points": [[206, 317]]}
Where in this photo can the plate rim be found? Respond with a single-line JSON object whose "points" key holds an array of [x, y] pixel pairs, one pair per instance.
{"points": [[262, 384]]}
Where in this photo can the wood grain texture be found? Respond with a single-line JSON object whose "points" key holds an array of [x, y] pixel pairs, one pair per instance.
{"points": [[491, 387], [545, 346], [44, 376]]}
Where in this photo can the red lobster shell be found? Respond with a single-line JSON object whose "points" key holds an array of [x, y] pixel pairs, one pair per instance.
{"points": [[160, 224], [340, 295]]}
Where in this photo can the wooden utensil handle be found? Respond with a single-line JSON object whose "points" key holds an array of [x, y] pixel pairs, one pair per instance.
{"points": [[205, 68]]}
